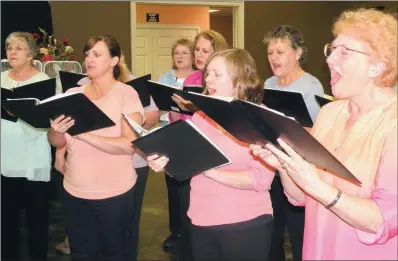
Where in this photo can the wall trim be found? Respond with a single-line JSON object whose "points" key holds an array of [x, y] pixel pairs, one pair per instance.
{"points": [[238, 14]]}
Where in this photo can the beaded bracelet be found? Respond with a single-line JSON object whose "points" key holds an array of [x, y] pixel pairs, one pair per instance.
{"points": [[335, 200]]}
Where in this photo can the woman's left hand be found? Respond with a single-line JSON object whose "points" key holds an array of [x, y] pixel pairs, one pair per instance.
{"points": [[184, 105], [303, 173]]}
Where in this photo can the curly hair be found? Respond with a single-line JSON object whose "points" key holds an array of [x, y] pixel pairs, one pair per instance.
{"points": [[243, 72], [379, 31], [291, 33]]}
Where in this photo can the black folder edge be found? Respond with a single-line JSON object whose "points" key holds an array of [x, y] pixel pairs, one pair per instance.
{"points": [[109, 123], [322, 101], [140, 85], [254, 120], [5, 92], [152, 85], [163, 155], [63, 74], [290, 93]]}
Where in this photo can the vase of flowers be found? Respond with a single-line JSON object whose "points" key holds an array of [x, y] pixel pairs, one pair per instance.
{"points": [[51, 49]]}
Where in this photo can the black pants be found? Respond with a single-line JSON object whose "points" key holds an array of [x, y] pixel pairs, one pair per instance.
{"points": [[100, 229], [285, 214], [248, 240], [179, 222], [17, 193], [139, 191]]}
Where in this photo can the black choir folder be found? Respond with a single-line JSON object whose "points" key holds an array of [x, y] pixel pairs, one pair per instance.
{"points": [[189, 150], [322, 101], [69, 79], [140, 85], [87, 115], [40, 90], [289, 103], [161, 94], [256, 124]]}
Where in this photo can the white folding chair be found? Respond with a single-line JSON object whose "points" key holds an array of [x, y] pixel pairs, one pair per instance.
{"points": [[38, 65], [52, 69], [6, 66]]}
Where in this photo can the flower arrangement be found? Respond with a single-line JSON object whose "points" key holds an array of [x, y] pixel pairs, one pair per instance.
{"points": [[51, 49]]}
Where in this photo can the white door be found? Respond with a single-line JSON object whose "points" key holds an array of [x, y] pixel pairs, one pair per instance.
{"points": [[153, 51]]}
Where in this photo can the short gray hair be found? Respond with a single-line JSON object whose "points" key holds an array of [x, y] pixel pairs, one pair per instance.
{"points": [[293, 34], [27, 38]]}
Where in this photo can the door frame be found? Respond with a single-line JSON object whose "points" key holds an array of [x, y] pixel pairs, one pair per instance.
{"points": [[238, 14]]}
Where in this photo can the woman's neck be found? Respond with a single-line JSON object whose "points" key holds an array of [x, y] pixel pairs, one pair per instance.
{"points": [[290, 78], [183, 72], [103, 84], [371, 98], [22, 73]]}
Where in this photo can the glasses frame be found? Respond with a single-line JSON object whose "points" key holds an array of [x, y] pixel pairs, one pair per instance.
{"points": [[333, 48]]}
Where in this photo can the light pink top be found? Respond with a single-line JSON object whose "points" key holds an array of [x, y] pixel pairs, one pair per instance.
{"points": [[92, 173], [194, 78], [370, 153], [213, 203]]}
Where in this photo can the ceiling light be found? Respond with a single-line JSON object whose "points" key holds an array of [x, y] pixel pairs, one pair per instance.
{"points": [[213, 10]]}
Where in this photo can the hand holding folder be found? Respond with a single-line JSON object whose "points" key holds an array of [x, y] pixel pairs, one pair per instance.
{"points": [[189, 150], [255, 124], [162, 95], [87, 115]]}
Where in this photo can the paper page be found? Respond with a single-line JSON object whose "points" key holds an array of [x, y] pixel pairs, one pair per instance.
{"points": [[25, 99], [269, 109], [209, 140], [138, 129], [58, 96]]}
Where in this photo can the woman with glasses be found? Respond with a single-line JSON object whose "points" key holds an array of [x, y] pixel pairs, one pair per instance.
{"points": [[344, 221], [287, 53], [25, 161]]}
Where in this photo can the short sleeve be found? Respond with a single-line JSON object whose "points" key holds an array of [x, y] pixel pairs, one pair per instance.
{"points": [[385, 194], [151, 107], [131, 103]]}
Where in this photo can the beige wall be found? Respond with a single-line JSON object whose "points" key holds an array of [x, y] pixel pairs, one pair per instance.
{"points": [[174, 14], [314, 20], [79, 20], [223, 25]]}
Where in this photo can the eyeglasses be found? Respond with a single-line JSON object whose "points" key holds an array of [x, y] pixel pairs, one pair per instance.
{"points": [[17, 49], [182, 54], [341, 50]]}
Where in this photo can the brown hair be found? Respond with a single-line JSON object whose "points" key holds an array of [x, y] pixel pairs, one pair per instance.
{"points": [[119, 71], [243, 72], [295, 37], [379, 31], [184, 42], [217, 40]]}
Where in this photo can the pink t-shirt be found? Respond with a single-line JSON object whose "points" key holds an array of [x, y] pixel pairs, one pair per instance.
{"points": [[194, 78], [92, 173], [213, 203]]}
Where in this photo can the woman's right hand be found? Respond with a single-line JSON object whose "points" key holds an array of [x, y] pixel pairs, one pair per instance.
{"points": [[157, 163], [267, 156], [62, 124]]}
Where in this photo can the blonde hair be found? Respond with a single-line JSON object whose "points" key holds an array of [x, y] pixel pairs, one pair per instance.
{"points": [[124, 70], [243, 72], [183, 42], [217, 40], [379, 31], [25, 37]]}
